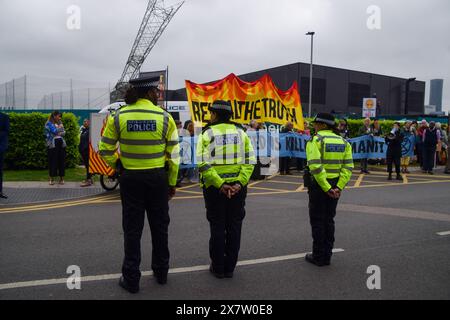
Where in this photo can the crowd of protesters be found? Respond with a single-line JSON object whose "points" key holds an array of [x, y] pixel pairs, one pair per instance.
{"points": [[430, 147]]}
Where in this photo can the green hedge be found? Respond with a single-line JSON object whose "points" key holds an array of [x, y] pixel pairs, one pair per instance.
{"points": [[26, 147], [355, 124]]}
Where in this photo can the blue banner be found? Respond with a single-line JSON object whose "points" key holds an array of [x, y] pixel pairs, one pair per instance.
{"points": [[267, 144], [364, 147]]}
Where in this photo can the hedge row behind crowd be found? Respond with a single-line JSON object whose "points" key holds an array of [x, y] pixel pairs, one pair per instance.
{"points": [[27, 146]]}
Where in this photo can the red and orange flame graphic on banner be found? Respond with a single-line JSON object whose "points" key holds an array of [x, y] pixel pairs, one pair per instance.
{"points": [[260, 100]]}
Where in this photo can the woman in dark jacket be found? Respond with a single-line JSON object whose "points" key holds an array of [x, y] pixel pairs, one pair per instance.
{"points": [[394, 152]]}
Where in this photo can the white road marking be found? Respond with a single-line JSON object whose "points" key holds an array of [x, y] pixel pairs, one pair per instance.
{"points": [[443, 233], [114, 276]]}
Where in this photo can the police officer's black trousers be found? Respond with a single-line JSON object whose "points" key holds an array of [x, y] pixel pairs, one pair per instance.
{"points": [[225, 218], [322, 210], [144, 191]]}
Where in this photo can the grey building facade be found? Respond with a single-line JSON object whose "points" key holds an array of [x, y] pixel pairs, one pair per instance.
{"points": [[436, 86], [341, 90]]}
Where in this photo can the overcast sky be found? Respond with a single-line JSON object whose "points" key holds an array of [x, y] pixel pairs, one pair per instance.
{"points": [[209, 39]]}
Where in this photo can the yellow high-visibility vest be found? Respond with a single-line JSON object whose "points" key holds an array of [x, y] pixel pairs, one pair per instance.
{"points": [[147, 137], [224, 154], [329, 156]]}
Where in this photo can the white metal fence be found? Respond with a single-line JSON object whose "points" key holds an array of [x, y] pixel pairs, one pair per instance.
{"points": [[38, 92]]}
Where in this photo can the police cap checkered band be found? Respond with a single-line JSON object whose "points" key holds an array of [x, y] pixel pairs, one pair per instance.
{"points": [[145, 82]]}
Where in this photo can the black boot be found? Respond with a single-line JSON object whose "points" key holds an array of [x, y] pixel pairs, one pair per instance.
{"points": [[390, 176], [310, 258], [124, 284], [399, 177]]}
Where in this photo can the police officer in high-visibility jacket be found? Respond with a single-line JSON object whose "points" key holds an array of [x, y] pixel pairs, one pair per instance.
{"points": [[226, 161], [330, 163], [149, 154]]}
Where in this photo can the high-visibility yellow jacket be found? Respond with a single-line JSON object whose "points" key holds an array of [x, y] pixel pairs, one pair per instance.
{"points": [[147, 137], [329, 156], [224, 154]]}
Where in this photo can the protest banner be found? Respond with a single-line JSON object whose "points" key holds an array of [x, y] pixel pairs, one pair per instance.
{"points": [[364, 147], [268, 144], [260, 100]]}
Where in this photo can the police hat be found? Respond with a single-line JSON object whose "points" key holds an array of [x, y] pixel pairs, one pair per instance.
{"points": [[145, 82], [326, 118], [221, 105]]}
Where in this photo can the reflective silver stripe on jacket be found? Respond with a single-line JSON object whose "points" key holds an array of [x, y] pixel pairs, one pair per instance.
{"points": [[107, 152], [316, 161], [229, 175], [136, 142], [143, 111], [165, 126], [317, 171], [109, 140], [204, 168], [117, 123], [146, 156]]}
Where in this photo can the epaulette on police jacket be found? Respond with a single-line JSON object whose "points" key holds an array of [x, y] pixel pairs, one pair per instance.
{"points": [[237, 125]]}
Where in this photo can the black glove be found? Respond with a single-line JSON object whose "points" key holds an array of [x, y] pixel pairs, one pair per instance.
{"points": [[119, 167]]}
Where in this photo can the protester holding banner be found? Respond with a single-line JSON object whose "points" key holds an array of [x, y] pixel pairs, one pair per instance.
{"points": [[225, 160], [365, 130], [406, 131], [441, 150], [431, 137], [447, 167], [343, 129], [419, 142], [394, 152], [414, 135], [330, 164], [376, 128], [253, 125]]}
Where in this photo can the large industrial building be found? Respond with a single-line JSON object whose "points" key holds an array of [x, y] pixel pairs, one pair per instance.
{"points": [[341, 90]]}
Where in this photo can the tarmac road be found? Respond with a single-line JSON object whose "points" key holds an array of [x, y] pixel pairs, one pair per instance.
{"points": [[392, 225]]}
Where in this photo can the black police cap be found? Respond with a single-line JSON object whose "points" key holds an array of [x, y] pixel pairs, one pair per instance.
{"points": [[326, 118], [221, 105]]}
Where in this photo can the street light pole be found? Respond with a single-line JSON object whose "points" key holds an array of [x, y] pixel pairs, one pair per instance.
{"points": [[310, 33]]}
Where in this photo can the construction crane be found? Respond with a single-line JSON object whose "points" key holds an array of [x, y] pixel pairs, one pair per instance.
{"points": [[156, 19]]}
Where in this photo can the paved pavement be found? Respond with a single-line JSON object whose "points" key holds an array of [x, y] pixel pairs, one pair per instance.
{"points": [[400, 226], [34, 192]]}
